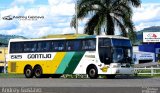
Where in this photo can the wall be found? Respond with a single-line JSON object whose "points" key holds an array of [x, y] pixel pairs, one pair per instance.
{"points": [[152, 47], [3, 52]]}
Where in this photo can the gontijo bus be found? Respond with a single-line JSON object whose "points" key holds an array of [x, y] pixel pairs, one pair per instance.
{"points": [[71, 54]]}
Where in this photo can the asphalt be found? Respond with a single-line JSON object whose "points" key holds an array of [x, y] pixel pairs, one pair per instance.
{"points": [[61, 85]]}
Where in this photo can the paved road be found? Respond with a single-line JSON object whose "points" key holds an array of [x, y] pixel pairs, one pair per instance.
{"points": [[50, 82], [50, 85]]}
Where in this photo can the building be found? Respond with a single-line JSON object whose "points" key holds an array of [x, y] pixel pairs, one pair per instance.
{"points": [[3, 53], [143, 57], [151, 43], [151, 47]]}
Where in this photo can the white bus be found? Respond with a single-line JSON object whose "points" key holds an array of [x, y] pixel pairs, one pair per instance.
{"points": [[71, 54]]}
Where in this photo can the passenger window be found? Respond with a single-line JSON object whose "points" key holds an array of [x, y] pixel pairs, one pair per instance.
{"points": [[70, 45], [88, 44], [43, 46], [16, 47], [107, 42], [104, 42], [73, 45], [58, 46], [30, 46]]}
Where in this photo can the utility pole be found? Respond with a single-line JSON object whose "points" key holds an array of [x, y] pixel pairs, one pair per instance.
{"points": [[5, 62], [76, 17]]}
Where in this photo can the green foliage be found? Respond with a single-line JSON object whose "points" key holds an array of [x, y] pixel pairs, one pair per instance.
{"points": [[139, 34], [4, 39], [106, 15], [2, 75]]}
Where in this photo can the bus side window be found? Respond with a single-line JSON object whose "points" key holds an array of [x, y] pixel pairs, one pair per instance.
{"points": [[54, 46], [88, 44], [69, 45], [60, 46], [84, 46], [73, 45], [47, 46], [57, 46], [43, 46], [92, 44], [30, 46], [77, 45], [16, 47]]}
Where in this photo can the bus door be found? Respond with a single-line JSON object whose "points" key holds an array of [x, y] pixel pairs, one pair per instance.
{"points": [[104, 49]]}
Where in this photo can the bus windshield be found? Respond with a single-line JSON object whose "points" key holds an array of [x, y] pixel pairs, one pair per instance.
{"points": [[121, 55], [118, 54], [115, 50], [121, 43]]}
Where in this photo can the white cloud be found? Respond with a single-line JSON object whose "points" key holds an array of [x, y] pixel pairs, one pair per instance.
{"points": [[10, 24], [12, 11], [63, 9], [147, 15], [56, 19], [57, 16]]}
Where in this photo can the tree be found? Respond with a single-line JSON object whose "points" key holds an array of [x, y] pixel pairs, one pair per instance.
{"points": [[106, 15]]}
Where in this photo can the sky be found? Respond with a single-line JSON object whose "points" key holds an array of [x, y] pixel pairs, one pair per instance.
{"points": [[54, 16]]}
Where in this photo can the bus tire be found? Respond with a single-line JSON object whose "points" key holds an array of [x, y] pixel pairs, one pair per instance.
{"points": [[28, 72], [38, 72], [110, 76], [92, 72]]}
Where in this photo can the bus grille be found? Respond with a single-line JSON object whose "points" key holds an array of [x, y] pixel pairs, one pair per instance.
{"points": [[13, 67]]}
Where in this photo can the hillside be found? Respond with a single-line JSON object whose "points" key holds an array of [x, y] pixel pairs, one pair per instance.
{"points": [[140, 33], [5, 38]]}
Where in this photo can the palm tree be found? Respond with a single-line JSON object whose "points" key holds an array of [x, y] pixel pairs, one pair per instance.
{"points": [[106, 15]]}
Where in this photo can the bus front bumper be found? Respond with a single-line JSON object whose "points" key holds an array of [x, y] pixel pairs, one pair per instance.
{"points": [[123, 70]]}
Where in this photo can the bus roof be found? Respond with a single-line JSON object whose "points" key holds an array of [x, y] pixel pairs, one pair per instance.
{"points": [[68, 36]]}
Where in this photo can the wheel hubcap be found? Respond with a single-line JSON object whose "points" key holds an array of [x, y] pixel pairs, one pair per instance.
{"points": [[92, 72], [28, 72], [38, 72]]}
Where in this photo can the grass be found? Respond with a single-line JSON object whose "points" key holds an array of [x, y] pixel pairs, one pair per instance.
{"points": [[148, 75], [2, 75]]}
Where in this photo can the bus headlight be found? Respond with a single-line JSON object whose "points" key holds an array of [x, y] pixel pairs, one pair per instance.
{"points": [[115, 65]]}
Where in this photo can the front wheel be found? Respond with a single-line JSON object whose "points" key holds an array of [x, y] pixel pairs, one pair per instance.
{"points": [[92, 72], [28, 72], [38, 72]]}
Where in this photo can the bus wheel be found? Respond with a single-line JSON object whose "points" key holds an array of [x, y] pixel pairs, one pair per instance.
{"points": [[38, 71], [92, 72], [28, 72], [110, 76]]}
